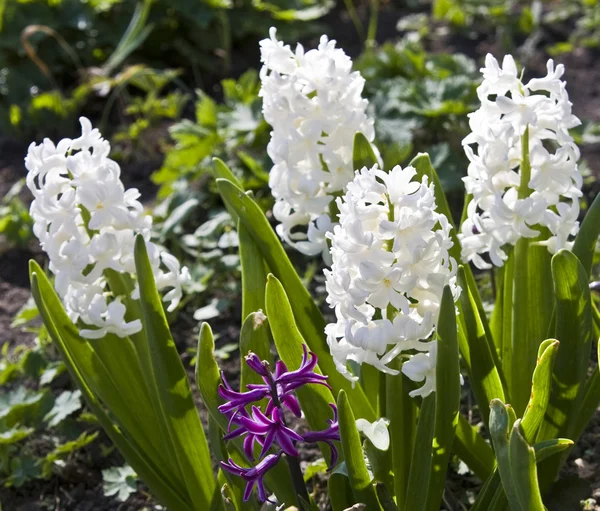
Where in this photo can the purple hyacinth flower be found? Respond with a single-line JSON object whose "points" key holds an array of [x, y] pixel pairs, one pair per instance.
{"points": [[237, 401], [270, 430], [328, 436], [305, 374], [286, 382], [253, 476]]}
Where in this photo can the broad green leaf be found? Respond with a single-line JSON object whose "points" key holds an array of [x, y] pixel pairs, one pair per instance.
{"points": [[207, 381], [254, 274], [316, 400], [499, 428], [484, 378], [574, 331], [524, 471], [221, 170], [589, 402], [340, 492], [175, 395], [254, 337], [492, 485], [120, 482], [255, 329], [471, 448], [532, 303], [308, 318], [420, 464], [447, 399], [401, 410], [385, 498], [362, 153], [96, 383], [360, 479], [587, 237], [540, 390]]}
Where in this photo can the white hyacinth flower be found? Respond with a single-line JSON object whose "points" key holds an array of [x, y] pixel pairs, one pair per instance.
{"points": [[390, 267], [313, 102], [517, 195], [87, 222]]}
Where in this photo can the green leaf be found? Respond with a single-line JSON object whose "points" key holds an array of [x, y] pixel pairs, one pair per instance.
{"points": [[316, 400], [589, 403], [175, 396], [14, 435], [66, 403], [88, 373], [363, 154], [524, 471], [222, 171], [255, 329], [471, 448], [587, 237], [540, 390], [490, 494], [254, 337], [421, 460], [360, 479], [120, 482], [63, 450], [402, 412], [499, 427], [23, 469], [532, 306], [574, 331], [340, 493], [447, 399], [308, 318], [484, 377]]}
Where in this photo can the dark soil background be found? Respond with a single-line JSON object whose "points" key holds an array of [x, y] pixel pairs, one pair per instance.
{"points": [[80, 487]]}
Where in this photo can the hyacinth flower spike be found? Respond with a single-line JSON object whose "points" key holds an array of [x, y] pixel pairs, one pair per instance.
{"points": [[267, 428]]}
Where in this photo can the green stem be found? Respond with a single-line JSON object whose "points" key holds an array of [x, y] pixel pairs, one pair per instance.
{"points": [[355, 18], [525, 169], [523, 348], [372, 31]]}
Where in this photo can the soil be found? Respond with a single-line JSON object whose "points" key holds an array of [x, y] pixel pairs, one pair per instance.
{"points": [[79, 486]]}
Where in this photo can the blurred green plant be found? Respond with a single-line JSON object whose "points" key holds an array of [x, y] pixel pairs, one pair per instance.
{"points": [[15, 222], [43, 422], [584, 15], [52, 53], [233, 130], [421, 101]]}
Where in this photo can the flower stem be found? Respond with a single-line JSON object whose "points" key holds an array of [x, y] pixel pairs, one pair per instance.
{"points": [[525, 169], [297, 480]]}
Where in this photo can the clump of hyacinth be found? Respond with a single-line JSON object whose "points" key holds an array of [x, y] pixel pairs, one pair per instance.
{"points": [[313, 102], [87, 222], [267, 428], [390, 267], [523, 173]]}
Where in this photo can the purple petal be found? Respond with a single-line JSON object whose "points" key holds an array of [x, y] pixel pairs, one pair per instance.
{"points": [[292, 404], [268, 442], [287, 446]]}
